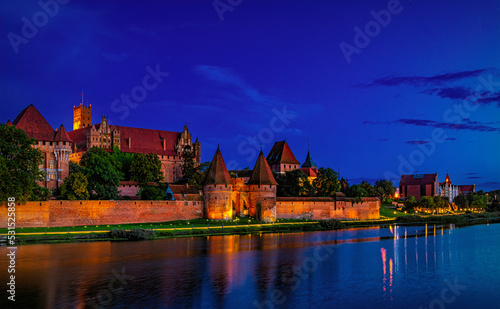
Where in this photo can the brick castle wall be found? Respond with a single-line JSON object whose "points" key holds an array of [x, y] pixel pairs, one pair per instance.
{"points": [[75, 213], [326, 208]]}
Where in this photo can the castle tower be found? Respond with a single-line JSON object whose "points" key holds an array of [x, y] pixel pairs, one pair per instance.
{"points": [[262, 191], [197, 151], [217, 190], [281, 158], [82, 116]]}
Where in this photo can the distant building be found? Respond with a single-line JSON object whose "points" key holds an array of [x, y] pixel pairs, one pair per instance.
{"points": [[419, 185], [55, 145], [184, 193], [309, 168], [168, 145], [281, 158], [447, 189]]}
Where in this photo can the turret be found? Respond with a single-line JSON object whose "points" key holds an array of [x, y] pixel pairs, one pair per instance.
{"points": [[262, 191], [217, 189]]}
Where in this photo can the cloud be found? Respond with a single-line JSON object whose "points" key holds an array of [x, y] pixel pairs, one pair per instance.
{"points": [[455, 93], [416, 142], [466, 125], [470, 173], [464, 93], [424, 80], [226, 77], [474, 177]]}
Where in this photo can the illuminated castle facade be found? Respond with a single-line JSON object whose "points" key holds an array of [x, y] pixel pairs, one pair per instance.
{"points": [[168, 145]]}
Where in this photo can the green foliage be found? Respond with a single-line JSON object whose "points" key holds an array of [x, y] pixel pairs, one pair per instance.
{"points": [[356, 191], [75, 187], [75, 168], [102, 172], [385, 188], [327, 182], [294, 183], [461, 201], [39, 193], [187, 168], [153, 193], [125, 159], [146, 168], [494, 206], [198, 177], [134, 234], [427, 202], [410, 203], [479, 201], [440, 201], [331, 224], [19, 163]]}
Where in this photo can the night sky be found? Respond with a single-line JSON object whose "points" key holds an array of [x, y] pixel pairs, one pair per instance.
{"points": [[417, 91]]}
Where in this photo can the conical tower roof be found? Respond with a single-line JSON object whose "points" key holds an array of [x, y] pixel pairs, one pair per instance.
{"points": [[62, 135], [262, 174], [217, 173], [309, 162]]}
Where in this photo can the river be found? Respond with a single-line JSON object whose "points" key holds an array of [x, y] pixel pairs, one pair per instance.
{"points": [[390, 267]]}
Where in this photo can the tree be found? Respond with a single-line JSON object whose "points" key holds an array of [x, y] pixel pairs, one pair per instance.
{"points": [[461, 201], [326, 182], [125, 159], [494, 206], [440, 202], [74, 187], [199, 176], [369, 188], [102, 172], [75, 168], [427, 202], [356, 191], [153, 193], [187, 167], [385, 188], [19, 163], [410, 203], [146, 168], [479, 201], [294, 183]]}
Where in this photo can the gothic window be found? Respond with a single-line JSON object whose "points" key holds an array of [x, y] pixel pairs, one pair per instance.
{"points": [[51, 164]]}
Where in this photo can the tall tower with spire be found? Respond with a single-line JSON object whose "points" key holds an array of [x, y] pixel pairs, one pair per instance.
{"points": [[217, 190], [262, 191]]}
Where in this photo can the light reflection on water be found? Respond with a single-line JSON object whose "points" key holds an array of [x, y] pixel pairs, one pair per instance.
{"points": [[398, 266]]}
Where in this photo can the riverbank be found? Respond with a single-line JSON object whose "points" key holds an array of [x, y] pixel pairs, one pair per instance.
{"points": [[239, 226]]}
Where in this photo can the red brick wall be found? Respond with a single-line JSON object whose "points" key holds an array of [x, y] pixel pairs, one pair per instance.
{"points": [[326, 208], [74, 213]]}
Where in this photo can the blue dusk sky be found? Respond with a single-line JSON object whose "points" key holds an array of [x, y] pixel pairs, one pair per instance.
{"points": [[378, 88]]}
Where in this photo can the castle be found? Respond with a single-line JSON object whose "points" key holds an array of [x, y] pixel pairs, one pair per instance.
{"points": [[168, 145], [224, 197], [419, 185]]}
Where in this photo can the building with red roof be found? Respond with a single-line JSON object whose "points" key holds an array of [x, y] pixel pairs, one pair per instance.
{"points": [[168, 145], [419, 185], [281, 158], [55, 145]]}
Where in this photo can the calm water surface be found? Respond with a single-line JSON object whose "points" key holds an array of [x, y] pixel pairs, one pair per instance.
{"points": [[396, 267]]}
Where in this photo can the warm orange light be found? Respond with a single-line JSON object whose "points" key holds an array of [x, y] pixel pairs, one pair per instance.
{"points": [[396, 195]]}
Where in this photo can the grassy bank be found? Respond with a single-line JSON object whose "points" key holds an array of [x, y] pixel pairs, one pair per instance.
{"points": [[239, 226]]}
